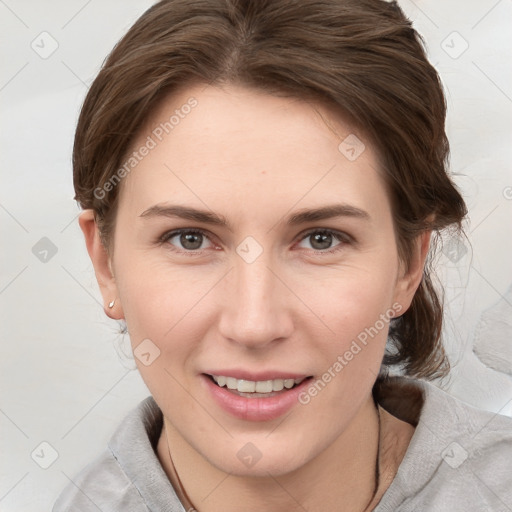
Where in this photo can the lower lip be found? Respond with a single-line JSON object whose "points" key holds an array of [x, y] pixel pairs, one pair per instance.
{"points": [[255, 409]]}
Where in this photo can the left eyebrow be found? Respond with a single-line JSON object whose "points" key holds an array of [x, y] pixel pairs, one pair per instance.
{"points": [[327, 212], [300, 217]]}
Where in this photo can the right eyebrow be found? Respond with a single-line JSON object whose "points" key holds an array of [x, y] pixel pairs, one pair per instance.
{"points": [[184, 212]]}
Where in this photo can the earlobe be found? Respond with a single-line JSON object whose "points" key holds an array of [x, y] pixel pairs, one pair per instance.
{"points": [[409, 281], [102, 265]]}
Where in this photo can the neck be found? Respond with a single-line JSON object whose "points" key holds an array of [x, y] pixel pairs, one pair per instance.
{"points": [[341, 478]]}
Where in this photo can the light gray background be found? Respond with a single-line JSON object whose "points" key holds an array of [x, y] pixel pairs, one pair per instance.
{"points": [[66, 377]]}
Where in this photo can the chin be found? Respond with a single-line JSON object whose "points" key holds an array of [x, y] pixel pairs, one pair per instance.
{"points": [[249, 461]]}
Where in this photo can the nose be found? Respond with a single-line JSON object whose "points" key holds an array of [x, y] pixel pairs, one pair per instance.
{"points": [[256, 309]]}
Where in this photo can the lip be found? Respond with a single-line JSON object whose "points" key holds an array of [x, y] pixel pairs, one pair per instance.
{"points": [[255, 409], [246, 375]]}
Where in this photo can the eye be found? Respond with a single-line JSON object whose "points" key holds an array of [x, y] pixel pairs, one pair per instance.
{"points": [[188, 239], [193, 240], [321, 240]]}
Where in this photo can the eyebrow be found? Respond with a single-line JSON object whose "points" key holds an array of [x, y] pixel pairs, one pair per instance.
{"points": [[299, 217]]}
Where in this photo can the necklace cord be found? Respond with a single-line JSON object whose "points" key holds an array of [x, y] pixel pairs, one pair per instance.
{"points": [[377, 461], [188, 503]]}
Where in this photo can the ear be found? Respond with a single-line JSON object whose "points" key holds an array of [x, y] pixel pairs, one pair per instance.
{"points": [[410, 279], [102, 265]]}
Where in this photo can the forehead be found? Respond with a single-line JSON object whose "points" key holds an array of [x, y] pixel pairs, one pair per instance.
{"points": [[254, 150]]}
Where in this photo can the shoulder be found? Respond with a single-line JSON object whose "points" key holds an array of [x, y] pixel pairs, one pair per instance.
{"points": [[128, 474], [101, 485], [474, 435], [459, 457]]}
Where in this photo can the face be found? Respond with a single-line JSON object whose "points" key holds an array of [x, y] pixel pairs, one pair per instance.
{"points": [[249, 247]]}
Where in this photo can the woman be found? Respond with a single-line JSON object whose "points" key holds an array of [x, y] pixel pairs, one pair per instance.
{"points": [[260, 183]]}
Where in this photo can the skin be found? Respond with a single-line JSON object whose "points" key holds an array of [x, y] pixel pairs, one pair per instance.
{"points": [[256, 159]]}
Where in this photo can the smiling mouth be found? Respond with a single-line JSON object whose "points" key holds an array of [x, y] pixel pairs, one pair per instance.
{"points": [[256, 389]]}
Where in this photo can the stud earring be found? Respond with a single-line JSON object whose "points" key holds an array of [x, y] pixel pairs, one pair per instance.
{"points": [[111, 304]]}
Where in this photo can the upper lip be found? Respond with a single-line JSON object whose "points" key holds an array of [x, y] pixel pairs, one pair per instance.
{"points": [[257, 376]]}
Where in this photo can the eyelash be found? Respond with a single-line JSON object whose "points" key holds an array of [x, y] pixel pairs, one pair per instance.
{"points": [[340, 236]]}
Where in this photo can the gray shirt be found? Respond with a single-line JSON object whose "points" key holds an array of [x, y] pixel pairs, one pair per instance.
{"points": [[459, 459]]}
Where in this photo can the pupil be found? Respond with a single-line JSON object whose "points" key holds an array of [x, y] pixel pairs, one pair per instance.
{"points": [[325, 239], [188, 238]]}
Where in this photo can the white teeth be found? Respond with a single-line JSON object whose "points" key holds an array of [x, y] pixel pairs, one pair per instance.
{"points": [[288, 383], [278, 385], [221, 381], [261, 386], [247, 386], [264, 386], [231, 383]]}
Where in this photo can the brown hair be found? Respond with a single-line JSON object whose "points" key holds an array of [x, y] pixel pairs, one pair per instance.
{"points": [[362, 57]]}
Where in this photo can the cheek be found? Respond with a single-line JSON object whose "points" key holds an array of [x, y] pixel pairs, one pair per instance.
{"points": [[167, 312], [355, 300], [357, 310], [165, 304], [156, 295], [163, 313]]}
